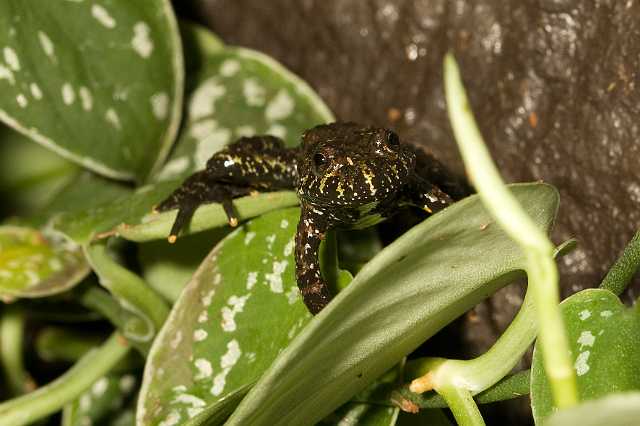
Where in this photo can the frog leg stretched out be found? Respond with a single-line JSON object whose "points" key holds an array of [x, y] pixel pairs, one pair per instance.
{"points": [[254, 163]]}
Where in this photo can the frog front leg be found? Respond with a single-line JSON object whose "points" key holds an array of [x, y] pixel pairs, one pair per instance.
{"points": [[259, 163], [312, 228], [426, 196]]}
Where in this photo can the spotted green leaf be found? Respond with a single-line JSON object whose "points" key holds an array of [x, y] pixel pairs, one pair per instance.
{"points": [[98, 81], [241, 308], [36, 264], [604, 338], [618, 409], [239, 92], [105, 402], [410, 290]]}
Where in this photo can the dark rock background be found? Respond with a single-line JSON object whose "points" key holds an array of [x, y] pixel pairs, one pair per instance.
{"points": [[552, 84]]}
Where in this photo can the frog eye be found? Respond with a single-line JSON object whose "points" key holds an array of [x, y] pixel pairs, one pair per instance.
{"points": [[392, 138], [319, 160]]}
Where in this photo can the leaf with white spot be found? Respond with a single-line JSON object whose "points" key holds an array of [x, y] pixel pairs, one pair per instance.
{"points": [[99, 82], [35, 264], [108, 401], [604, 339], [229, 324], [235, 92], [405, 294]]}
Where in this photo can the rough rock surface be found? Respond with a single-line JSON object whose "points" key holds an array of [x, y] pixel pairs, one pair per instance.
{"points": [[552, 83]]}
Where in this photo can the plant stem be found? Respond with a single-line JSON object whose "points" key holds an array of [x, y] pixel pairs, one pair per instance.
{"points": [[510, 387], [621, 273], [486, 370], [11, 341], [462, 405], [541, 268], [52, 397], [131, 291]]}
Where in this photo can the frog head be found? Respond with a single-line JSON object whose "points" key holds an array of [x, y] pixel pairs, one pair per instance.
{"points": [[346, 164]]}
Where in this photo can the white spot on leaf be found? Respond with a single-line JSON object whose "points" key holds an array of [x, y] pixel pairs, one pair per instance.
{"points": [[22, 100], [581, 365], [288, 249], [174, 167], [102, 15], [172, 419], [203, 100], [100, 387], [252, 279], [253, 93], [229, 67], [160, 105], [112, 118], [277, 130], [606, 314], [86, 98], [584, 314], [141, 41], [205, 370], [47, 45], [245, 131], [249, 237], [68, 94], [275, 278], [199, 335], [11, 58], [235, 305], [214, 142], [35, 91], [293, 295], [227, 361], [281, 106], [7, 74], [586, 339], [176, 340]]}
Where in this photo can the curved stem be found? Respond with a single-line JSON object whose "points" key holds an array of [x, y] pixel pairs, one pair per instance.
{"points": [[11, 341], [621, 273], [541, 268], [131, 291], [480, 373], [52, 397], [462, 405]]}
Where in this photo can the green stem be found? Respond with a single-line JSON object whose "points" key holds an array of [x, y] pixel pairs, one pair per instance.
{"points": [[11, 342], [480, 373], [510, 387], [131, 291], [621, 273], [52, 397], [541, 268], [462, 405]]}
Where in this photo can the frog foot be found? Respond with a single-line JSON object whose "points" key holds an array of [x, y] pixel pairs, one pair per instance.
{"points": [[194, 192]]}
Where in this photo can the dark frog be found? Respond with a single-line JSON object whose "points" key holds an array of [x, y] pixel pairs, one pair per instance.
{"points": [[345, 175]]}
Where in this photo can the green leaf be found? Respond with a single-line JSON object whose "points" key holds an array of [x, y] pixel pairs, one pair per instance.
{"points": [[604, 338], [619, 409], [30, 175], [409, 291], [99, 83], [36, 264], [241, 308], [103, 402], [239, 92], [169, 267]]}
